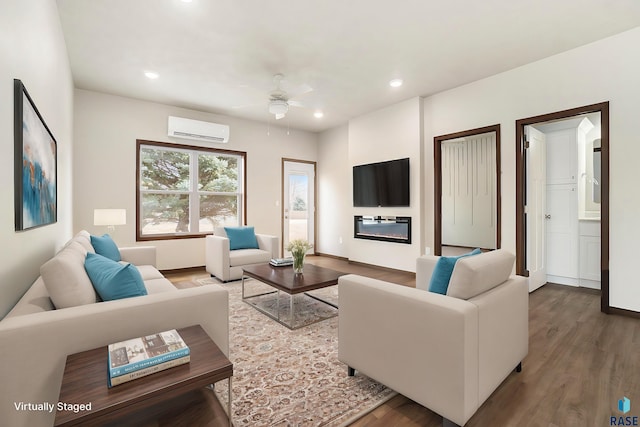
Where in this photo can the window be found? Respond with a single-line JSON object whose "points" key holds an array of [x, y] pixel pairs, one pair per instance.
{"points": [[185, 191]]}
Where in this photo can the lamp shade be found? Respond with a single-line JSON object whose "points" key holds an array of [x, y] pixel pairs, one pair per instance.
{"points": [[109, 216]]}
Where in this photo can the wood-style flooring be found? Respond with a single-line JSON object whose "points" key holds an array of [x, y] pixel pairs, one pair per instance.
{"points": [[580, 363]]}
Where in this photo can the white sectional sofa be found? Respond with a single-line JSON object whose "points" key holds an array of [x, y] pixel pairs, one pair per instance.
{"points": [[35, 338], [446, 352]]}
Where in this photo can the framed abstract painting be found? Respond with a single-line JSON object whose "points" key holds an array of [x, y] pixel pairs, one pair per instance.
{"points": [[35, 164]]}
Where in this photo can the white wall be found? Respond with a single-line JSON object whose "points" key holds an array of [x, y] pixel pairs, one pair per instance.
{"points": [[390, 133], [32, 49], [334, 203], [106, 129], [606, 70]]}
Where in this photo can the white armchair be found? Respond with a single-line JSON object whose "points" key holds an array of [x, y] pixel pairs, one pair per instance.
{"points": [[226, 264], [448, 353]]}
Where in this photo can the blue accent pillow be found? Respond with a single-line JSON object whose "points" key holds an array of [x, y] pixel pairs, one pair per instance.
{"points": [[442, 272], [113, 280], [241, 238], [105, 246]]}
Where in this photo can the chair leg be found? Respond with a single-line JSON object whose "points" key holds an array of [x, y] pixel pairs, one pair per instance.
{"points": [[351, 371], [448, 423], [519, 367]]}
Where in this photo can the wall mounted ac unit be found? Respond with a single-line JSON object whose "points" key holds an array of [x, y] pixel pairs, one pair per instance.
{"points": [[197, 130]]}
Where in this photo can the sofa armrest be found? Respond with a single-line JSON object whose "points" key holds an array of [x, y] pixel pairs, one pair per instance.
{"points": [[139, 255], [35, 346], [421, 344], [217, 256], [269, 243], [503, 332], [424, 270]]}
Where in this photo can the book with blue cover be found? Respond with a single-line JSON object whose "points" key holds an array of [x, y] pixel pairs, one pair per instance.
{"points": [[139, 353], [121, 379]]}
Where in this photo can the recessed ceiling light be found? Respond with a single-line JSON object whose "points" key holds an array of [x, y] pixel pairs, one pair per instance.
{"points": [[318, 114], [395, 83], [187, 1], [151, 74]]}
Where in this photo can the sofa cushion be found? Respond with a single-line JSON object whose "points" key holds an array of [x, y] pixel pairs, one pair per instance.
{"points": [[155, 286], [149, 272], [441, 276], [475, 275], [241, 238], [113, 280], [105, 246], [65, 278], [84, 238], [248, 256], [219, 231]]}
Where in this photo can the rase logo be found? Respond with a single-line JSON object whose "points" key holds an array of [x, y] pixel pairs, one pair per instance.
{"points": [[624, 406]]}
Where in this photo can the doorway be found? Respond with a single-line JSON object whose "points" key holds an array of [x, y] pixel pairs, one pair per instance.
{"points": [[532, 196], [298, 202]]}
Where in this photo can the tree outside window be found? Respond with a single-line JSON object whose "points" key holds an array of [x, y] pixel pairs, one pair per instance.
{"points": [[185, 191]]}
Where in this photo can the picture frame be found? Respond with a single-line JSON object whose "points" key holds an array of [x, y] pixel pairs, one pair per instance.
{"points": [[35, 165]]}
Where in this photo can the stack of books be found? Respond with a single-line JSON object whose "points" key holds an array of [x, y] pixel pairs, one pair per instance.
{"points": [[281, 262], [139, 357]]}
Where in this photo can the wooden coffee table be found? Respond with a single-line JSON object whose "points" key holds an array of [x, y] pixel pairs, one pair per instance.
{"points": [[283, 279], [85, 381]]}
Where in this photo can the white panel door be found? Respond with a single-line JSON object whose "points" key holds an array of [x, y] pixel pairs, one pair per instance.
{"points": [[535, 207], [562, 156], [562, 231], [298, 207]]}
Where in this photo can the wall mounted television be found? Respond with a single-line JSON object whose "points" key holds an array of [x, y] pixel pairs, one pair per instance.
{"points": [[381, 184]]}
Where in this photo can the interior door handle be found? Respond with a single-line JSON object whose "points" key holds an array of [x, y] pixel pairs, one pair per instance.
{"points": [[547, 216]]}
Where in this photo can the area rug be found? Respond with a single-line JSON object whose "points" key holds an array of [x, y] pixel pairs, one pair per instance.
{"points": [[285, 378]]}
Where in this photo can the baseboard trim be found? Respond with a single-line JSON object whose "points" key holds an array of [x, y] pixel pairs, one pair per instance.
{"points": [[379, 267], [341, 258], [624, 312], [364, 264], [195, 269]]}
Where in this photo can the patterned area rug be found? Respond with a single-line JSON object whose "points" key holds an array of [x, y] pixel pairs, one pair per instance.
{"points": [[286, 378]]}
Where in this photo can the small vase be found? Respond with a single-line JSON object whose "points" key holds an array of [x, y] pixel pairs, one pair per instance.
{"points": [[298, 262]]}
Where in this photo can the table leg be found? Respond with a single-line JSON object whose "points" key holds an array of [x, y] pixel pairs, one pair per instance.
{"points": [[229, 404], [293, 317]]}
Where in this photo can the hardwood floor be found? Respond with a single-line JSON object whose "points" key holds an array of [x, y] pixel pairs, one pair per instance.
{"points": [[580, 363]]}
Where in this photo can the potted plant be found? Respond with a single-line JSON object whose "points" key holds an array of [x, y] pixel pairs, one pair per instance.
{"points": [[298, 249]]}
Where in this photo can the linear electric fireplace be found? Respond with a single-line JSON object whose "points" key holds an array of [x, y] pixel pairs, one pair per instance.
{"points": [[384, 228]]}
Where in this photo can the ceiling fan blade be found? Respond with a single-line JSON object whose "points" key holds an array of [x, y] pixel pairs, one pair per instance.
{"points": [[279, 116], [302, 89], [293, 103]]}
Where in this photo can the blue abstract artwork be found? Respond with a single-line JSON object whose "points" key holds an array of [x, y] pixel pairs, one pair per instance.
{"points": [[35, 166]]}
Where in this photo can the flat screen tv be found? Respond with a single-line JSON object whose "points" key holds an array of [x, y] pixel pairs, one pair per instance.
{"points": [[381, 184]]}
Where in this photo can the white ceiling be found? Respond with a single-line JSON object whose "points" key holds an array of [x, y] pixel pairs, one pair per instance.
{"points": [[216, 55]]}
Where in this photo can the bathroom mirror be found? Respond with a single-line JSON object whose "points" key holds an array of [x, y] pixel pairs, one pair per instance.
{"points": [[467, 191]]}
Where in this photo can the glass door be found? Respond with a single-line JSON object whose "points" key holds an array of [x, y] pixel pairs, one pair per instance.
{"points": [[298, 205]]}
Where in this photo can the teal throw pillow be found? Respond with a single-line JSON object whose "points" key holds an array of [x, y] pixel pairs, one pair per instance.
{"points": [[113, 280], [241, 238], [105, 246], [442, 272]]}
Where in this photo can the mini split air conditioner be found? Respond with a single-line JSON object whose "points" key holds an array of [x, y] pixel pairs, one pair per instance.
{"points": [[197, 130]]}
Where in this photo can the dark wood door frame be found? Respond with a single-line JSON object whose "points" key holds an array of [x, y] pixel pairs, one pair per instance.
{"points": [[521, 223], [437, 179]]}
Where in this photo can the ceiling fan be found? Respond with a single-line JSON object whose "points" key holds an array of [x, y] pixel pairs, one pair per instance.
{"points": [[279, 99]]}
